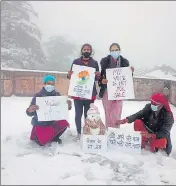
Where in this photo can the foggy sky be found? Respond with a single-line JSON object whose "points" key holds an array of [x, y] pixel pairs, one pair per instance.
{"points": [[146, 31]]}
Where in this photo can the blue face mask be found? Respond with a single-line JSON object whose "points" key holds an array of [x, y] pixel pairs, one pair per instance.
{"points": [[115, 54], [49, 88], [154, 108]]}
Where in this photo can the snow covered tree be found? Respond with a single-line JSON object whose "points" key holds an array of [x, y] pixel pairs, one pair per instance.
{"points": [[20, 36], [60, 53]]}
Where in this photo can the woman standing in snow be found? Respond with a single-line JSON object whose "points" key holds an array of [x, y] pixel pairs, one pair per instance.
{"points": [[44, 132], [113, 109], [154, 122], [80, 103]]}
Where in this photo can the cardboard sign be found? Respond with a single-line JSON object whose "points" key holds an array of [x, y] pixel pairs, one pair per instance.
{"points": [[52, 108], [82, 82], [124, 141], [94, 143], [120, 83]]}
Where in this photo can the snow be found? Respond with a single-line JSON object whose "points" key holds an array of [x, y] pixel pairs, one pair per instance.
{"points": [[25, 163], [160, 74], [156, 73], [28, 25], [24, 70], [172, 78]]}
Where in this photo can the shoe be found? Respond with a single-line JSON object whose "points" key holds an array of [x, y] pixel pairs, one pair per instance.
{"points": [[59, 141], [78, 137]]}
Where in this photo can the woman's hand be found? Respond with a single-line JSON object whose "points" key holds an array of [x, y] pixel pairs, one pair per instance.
{"points": [[69, 74], [104, 81], [32, 108], [97, 74], [69, 104], [123, 121], [132, 69]]}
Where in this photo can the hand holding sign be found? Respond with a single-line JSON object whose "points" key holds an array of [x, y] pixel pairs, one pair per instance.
{"points": [[32, 108], [69, 74], [104, 81], [132, 69], [69, 104], [97, 74]]}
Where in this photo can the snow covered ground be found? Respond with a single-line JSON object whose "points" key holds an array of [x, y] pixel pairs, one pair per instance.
{"points": [[24, 163]]}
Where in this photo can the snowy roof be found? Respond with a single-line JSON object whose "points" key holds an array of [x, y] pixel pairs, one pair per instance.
{"points": [[158, 72], [151, 77], [24, 70]]}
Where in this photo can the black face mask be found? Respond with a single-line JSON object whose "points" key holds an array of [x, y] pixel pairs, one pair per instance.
{"points": [[86, 54]]}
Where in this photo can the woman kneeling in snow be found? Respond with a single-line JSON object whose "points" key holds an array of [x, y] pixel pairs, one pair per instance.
{"points": [[44, 132], [154, 122]]}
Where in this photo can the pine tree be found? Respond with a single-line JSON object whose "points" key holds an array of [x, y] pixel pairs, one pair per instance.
{"points": [[60, 53], [20, 36]]}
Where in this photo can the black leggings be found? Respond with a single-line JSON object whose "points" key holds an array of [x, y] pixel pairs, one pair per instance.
{"points": [[79, 105]]}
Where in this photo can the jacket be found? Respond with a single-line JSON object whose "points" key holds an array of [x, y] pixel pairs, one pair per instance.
{"points": [[42, 93], [162, 124]]}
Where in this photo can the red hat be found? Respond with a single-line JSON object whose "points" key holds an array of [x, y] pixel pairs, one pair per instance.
{"points": [[161, 99]]}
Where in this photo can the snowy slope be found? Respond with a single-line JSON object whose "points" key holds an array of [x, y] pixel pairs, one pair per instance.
{"points": [[24, 163]]}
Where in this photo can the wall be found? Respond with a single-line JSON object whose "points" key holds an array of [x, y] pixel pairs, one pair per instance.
{"points": [[26, 83]]}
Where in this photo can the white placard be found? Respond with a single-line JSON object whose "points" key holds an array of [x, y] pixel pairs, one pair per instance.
{"points": [[82, 82], [124, 141], [52, 108], [94, 143], [120, 83]]}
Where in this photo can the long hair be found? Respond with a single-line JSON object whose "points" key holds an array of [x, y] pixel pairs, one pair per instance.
{"points": [[90, 46]]}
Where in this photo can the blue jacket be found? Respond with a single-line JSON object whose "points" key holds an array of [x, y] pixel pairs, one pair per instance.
{"points": [[42, 93]]}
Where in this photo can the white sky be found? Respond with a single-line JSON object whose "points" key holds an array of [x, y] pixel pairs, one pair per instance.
{"points": [[146, 31]]}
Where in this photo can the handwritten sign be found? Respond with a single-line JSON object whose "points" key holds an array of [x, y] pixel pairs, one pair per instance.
{"points": [[123, 141], [94, 143], [52, 108], [82, 82], [120, 83]]}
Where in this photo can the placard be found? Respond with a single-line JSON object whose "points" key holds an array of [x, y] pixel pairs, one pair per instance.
{"points": [[120, 83], [52, 108], [82, 82], [94, 143], [124, 141]]}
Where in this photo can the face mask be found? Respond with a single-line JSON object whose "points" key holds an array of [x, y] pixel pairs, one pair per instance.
{"points": [[115, 54], [86, 54], [154, 108], [49, 88]]}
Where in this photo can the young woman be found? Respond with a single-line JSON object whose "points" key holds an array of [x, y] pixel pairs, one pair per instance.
{"points": [[44, 132], [113, 109], [80, 104], [154, 122]]}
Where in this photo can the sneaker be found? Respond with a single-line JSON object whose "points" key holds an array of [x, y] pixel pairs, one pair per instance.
{"points": [[78, 137]]}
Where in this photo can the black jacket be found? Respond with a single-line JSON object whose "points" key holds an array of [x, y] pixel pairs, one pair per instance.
{"points": [[105, 64], [163, 123]]}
